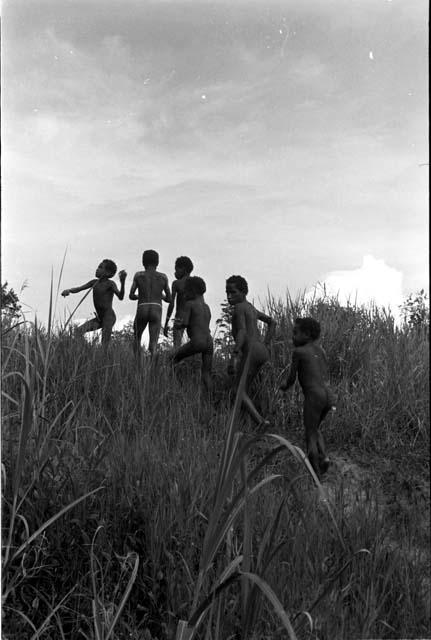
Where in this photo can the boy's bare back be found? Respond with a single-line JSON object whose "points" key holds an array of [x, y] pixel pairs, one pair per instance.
{"points": [[197, 316], [245, 316], [178, 287], [150, 285], [312, 366]]}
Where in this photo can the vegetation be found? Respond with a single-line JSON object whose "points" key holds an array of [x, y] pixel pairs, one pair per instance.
{"points": [[133, 507], [9, 302]]}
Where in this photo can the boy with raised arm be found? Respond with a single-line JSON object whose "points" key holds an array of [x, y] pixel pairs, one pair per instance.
{"points": [[196, 319], [152, 287], [183, 269], [103, 293], [248, 342], [310, 365]]}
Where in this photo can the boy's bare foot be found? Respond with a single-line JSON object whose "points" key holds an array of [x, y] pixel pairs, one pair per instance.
{"points": [[324, 465]]}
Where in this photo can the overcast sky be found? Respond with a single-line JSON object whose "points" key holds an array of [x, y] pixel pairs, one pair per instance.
{"points": [[278, 140]]}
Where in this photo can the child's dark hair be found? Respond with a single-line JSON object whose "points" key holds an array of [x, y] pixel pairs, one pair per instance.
{"points": [[184, 262], [239, 282], [150, 258], [196, 285], [310, 326], [110, 267]]}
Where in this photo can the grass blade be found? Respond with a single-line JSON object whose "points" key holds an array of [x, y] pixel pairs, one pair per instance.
{"points": [[247, 534], [51, 520], [125, 597], [278, 607], [51, 614], [50, 304], [300, 455], [98, 624], [75, 309]]}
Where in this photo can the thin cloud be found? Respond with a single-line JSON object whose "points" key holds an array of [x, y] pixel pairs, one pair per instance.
{"points": [[297, 162]]}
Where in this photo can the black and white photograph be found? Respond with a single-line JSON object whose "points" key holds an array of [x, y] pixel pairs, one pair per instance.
{"points": [[215, 320]]}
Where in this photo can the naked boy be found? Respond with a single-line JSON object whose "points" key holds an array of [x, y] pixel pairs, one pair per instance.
{"points": [[183, 269], [310, 365], [196, 319], [248, 342], [104, 290], [152, 287]]}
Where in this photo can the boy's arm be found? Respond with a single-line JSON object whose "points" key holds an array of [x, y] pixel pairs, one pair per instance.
{"points": [[293, 370], [132, 294], [185, 317], [120, 293], [241, 332], [170, 307], [167, 297], [271, 325], [87, 285]]}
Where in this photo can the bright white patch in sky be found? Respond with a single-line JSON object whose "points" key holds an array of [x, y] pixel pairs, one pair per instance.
{"points": [[371, 55], [374, 282]]}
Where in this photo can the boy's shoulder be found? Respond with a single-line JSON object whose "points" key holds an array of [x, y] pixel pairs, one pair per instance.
{"points": [[242, 306], [157, 274], [302, 350], [310, 349], [102, 283], [179, 283], [316, 347]]}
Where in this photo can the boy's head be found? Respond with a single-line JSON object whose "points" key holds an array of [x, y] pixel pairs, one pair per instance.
{"points": [[150, 258], [194, 287], [183, 267], [106, 268], [236, 289], [305, 330]]}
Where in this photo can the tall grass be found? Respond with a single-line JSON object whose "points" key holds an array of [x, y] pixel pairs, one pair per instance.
{"points": [[135, 507]]}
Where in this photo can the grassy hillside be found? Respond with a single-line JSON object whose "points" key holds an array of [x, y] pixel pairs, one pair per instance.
{"points": [[177, 507]]}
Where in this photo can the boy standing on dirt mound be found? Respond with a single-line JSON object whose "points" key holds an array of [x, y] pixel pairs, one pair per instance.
{"points": [[153, 287], [248, 342], [310, 365], [103, 293]]}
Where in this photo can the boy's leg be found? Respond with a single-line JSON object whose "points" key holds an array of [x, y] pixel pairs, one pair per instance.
{"points": [[258, 357], [251, 409], [183, 352], [90, 325], [138, 329], [316, 407], [311, 424], [323, 457], [207, 361], [187, 350], [154, 324], [177, 335], [107, 325]]}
